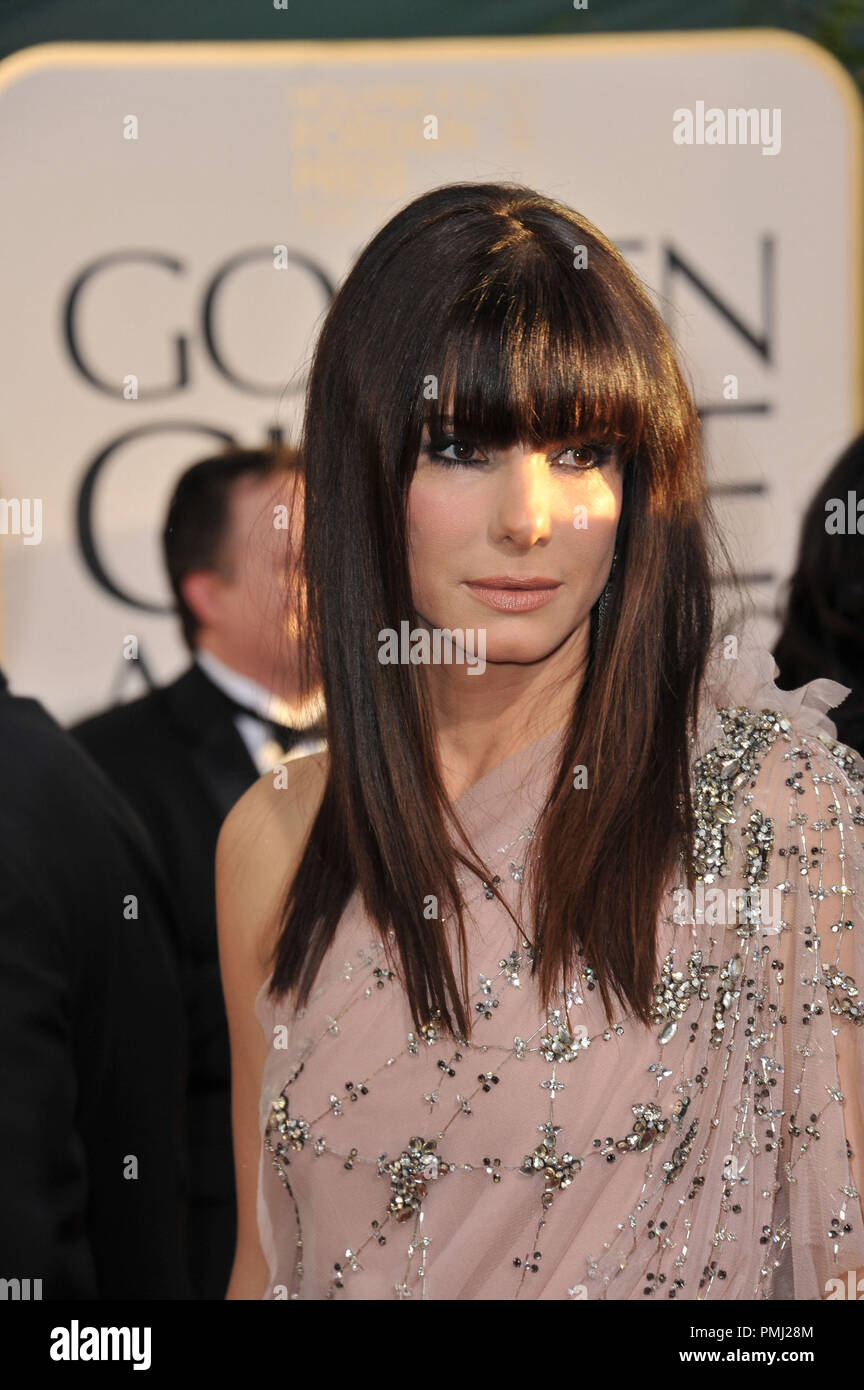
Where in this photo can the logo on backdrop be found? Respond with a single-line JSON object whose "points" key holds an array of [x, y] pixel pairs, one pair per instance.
{"points": [[676, 269], [211, 436]]}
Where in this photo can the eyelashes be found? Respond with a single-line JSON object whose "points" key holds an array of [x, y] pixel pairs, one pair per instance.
{"points": [[434, 451]]}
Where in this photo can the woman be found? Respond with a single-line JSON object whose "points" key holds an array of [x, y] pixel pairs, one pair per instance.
{"points": [[488, 1039]]}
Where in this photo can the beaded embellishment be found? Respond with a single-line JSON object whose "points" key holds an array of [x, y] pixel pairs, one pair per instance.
{"points": [[732, 999]]}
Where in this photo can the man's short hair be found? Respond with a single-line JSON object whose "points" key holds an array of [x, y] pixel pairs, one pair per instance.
{"points": [[196, 532]]}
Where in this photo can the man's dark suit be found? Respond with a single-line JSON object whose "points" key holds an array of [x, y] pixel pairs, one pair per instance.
{"points": [[92, 1046], [179, 759]]}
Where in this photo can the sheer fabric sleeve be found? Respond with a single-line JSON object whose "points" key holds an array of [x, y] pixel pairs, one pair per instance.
{"points": [[816, 791]]}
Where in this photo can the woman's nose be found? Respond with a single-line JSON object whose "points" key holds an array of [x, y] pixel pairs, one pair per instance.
{"points": [[525, 503]]}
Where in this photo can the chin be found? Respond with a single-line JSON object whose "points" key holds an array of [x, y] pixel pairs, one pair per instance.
{"points": [[524, 649]]}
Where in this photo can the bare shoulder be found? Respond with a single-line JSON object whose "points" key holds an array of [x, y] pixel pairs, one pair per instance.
{"points": [[261, 843], [279, 801]]}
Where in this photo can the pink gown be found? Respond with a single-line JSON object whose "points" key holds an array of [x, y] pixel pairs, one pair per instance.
{"points": [[555, 1157]]}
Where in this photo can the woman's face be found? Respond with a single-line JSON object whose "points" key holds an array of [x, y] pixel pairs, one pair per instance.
{"points": [[547, 514]]}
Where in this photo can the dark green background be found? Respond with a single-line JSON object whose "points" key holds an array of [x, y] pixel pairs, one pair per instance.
{"points": [[837, 24]]}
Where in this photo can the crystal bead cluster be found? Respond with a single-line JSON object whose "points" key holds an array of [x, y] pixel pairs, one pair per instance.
{"points": [[714, 1049]]}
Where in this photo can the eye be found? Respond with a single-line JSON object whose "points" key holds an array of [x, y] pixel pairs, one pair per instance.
{"points": [[435, 450], [601, 454]]}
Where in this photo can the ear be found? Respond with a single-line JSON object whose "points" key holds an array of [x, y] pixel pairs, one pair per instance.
{"points": [[204, 591]]}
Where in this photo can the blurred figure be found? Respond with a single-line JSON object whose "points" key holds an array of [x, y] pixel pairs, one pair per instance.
{"points": [[823, 629], [185, 753], [92, 1048]]}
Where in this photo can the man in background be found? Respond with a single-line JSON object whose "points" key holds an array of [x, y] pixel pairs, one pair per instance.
{"points": [[184, 754]]}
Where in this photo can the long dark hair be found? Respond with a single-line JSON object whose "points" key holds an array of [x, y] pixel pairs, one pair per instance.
{"points": [[483, 287]]}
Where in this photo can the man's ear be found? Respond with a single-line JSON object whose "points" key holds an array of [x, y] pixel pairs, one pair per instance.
{"points": [[203, 591]]}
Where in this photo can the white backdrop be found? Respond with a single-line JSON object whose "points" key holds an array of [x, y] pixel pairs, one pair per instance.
{"points": [[152, 257]]}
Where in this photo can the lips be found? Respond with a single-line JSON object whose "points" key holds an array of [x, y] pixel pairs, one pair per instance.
{"points": [[503, 581], [511, 595]]}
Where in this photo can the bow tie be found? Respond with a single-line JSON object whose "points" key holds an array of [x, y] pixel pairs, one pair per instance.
{"points": [[284, 734]]}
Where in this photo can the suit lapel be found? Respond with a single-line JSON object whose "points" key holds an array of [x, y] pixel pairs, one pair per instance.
{"points": [[204, 719]]}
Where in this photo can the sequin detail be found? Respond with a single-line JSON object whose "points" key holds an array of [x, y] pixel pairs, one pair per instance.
{"points": [[718, 776], [693, 1182], [409, 1174]]}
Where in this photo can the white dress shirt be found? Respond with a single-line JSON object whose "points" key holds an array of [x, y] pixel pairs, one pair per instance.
{"points": [[264, 750]]}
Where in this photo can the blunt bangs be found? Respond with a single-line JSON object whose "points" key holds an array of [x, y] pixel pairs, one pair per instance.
{"points": [[525, 363]]}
